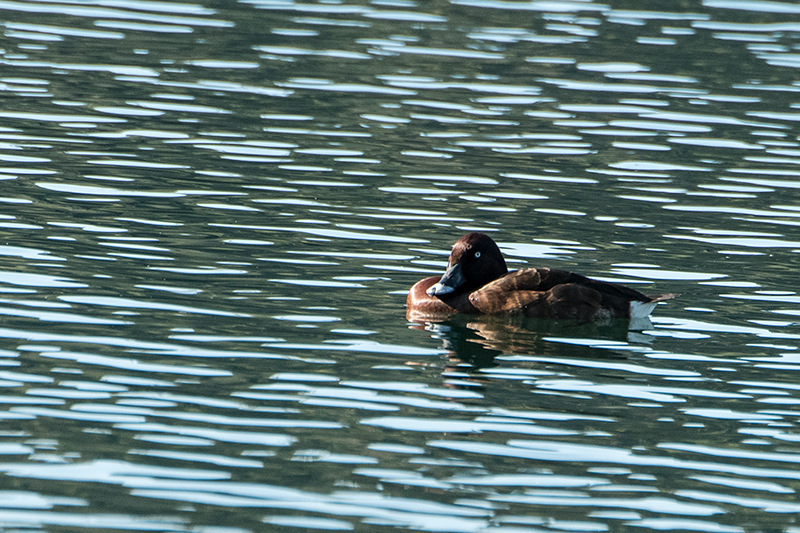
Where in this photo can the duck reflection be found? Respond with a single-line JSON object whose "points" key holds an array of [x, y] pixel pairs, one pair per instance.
{"points": [[477, 340]]}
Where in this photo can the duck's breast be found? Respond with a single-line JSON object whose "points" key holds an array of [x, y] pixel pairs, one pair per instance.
{"points": [[421, 306]]}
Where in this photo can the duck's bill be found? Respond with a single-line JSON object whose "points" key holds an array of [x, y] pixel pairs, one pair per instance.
{"points": [[452, 279]]}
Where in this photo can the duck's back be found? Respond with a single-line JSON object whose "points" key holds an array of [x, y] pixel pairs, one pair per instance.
{"points": [[553, 293]]}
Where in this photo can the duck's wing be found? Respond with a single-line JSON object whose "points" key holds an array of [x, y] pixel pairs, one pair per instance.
{"points": [[515, 291], [544, 279], [549, 278], [547, 293]]}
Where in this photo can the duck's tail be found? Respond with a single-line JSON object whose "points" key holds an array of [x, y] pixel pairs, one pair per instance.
{"points": [[662, 297], [644, 309]]}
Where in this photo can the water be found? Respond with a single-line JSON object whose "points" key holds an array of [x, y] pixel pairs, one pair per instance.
{"points": [[210, 214]]}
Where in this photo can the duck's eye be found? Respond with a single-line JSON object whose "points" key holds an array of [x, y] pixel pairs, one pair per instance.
{"points": [[477, 255]]}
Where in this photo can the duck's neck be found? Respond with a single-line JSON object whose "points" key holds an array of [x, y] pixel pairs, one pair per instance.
{"points": [[490, 271]]}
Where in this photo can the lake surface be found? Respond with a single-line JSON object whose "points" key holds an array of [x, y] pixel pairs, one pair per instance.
{"points": [[211, 213]]}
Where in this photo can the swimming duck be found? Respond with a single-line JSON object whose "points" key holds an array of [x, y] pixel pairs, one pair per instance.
{"points": [[477, 281]]}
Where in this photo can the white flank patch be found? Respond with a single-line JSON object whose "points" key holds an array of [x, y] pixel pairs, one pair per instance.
{"points": [[642, 309]]}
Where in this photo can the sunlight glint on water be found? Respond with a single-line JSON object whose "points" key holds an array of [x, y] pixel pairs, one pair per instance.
{"points": [[211, 215]]}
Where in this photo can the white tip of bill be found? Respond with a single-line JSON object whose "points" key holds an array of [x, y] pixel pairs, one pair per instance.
{"points": [[439, 289]]}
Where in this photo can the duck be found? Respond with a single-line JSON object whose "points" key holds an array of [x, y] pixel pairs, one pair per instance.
{"points": [[478, 282]]}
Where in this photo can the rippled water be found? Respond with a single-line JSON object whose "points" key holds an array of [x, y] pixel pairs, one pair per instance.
{"points": [[210, 215]]}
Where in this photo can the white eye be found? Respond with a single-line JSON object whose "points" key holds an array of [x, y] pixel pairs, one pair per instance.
{"points": [[477, 255]]}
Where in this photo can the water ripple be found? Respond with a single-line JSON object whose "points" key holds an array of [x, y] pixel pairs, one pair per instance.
{"points": [[212, 216]]}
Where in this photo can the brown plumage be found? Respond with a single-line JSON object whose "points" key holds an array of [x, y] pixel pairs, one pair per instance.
{"points": [[477, 281]]}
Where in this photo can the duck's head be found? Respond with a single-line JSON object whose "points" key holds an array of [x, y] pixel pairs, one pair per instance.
{"points": [[474, 261]]}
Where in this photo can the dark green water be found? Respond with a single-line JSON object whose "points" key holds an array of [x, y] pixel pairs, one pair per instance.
{"points": [[210, 215]]}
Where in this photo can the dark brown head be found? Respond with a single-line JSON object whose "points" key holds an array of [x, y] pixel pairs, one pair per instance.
{"points": [[475, 261]]}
